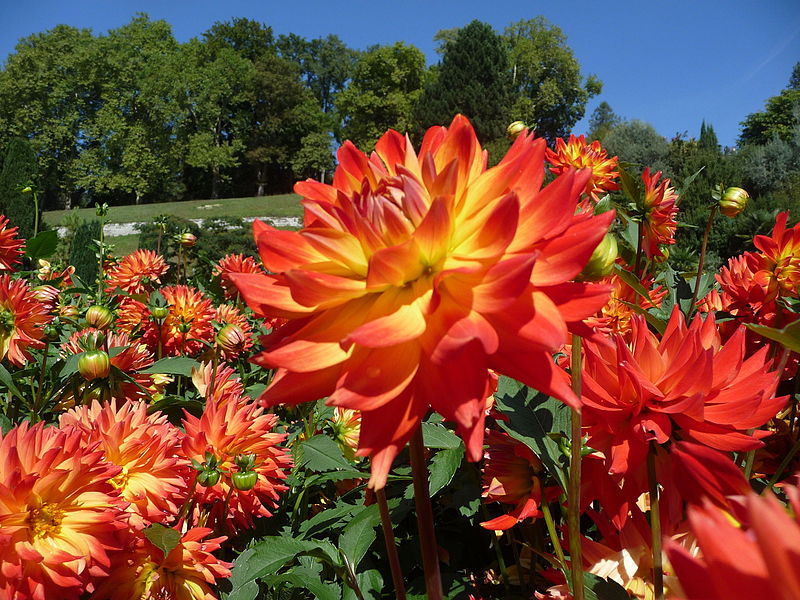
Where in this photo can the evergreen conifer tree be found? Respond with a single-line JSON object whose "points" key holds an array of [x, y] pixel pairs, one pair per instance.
{"points": [[19, 170]]}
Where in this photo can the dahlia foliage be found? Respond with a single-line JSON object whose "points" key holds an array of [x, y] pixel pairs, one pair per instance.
{"points": [[190, 427]]}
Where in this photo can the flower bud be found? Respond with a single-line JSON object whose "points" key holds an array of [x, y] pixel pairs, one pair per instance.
{"points": [[187, 240], [99, 317], [68, 311], [94, 364], [602, 260], [159, 312], [515, 129], [231, 339], [733, 201]]}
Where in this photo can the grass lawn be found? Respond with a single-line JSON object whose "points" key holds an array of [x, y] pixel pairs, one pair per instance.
{"points": [[284, 205]]}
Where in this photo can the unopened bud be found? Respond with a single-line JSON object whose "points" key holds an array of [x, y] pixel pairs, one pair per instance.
{"points": [[515, 129], [159, 312], [733, 201], [99, 317], [187, 240], [231, 339], [602, 260], [94, 364]]}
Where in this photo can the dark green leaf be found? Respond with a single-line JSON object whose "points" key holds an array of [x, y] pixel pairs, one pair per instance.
{"points": [[789, 336], [320, 453], [633, 281], [326, 519], [598, 588], [438, 436], [8, 380], [444, 465], [359, 534], [308, 579], [174, 365], [532, 415], [163, 537], [370, 582], [687, 182], [42, 245]]}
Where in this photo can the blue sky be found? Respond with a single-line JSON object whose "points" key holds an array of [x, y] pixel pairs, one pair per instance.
{"points": [[671, 63]]}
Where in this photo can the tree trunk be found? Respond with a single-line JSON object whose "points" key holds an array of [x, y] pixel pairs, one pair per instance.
{"points": [[215, 182], [260, 179], [138, 197]]}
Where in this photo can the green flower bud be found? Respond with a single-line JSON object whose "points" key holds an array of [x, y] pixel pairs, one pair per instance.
{"points": [[99, 317], [515, 129], [733, 201], [601, 263], [94, 364]]}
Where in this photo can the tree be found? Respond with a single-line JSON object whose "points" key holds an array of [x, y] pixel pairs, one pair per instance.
{"points": [[708, 137], [550, 93], [602, 121], [639, 143], [19, 170], [129, 146], [249, 39], [779, 117], [473, 78], [48, 92], [386, 84]]}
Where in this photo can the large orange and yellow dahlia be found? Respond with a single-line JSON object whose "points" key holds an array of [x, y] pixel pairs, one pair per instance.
{"points": [[22, 320], [659, 207], [234, 263], [60, 517], [415, 273]]}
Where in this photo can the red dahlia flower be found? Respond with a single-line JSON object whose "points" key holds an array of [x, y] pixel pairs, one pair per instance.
{"points": [[10, 246], [687, 384], [659, 208], [415, 274], [234, 263], [777, 265], [22, 320]]}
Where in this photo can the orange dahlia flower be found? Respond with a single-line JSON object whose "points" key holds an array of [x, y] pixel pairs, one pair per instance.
{"points": [[234, 263], [22, 320], [511, 475], [577, 154], [777, 265], [346, 424], [753, 553], [59, 514], [226, 387], [687, 384], [10, 246], [227, 430], [659, 211], [145, 448], [415, 274], [615, 316], [188, 572], [137, 273]]}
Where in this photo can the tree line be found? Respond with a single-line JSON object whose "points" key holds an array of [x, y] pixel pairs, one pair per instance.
{"points": [[132, 115]]}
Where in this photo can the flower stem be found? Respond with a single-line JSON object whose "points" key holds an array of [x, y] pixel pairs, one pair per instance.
{"points": [[574, 491], [551, 530], [427, 534], [701, 261], [639, 239], [391, 549], [655, 525]]}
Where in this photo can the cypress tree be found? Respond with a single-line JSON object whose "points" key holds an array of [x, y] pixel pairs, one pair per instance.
{"points": [[473, 79], [83, 252], [19, 170]]}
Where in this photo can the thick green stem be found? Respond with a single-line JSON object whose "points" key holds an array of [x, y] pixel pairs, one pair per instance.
{"points": [[655, 525], [427, 534], [639, 238], [37, 402], [391, 549], [701, 261], [574, 492]]}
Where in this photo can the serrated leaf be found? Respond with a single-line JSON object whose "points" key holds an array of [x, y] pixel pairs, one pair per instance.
{"points": [[632, 281], [43, 245], [163, 537], [307, 579], [444, 465], [325, 520], [320, 453], [174, 365], [359, 534], [533, 415], [438, 436], [370, 582]]}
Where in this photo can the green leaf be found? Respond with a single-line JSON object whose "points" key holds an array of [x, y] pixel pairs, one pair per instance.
{"points": [[789, 336], [174, 365], [43, 245], [444, 465], [532, 416], [633, 281], [8, 380], [163, 537], [370, 582], [438, 436], [320, 453], [629, 185], [359, 534], [308, 579], [597, 588], [687, 182], [326, 519]]}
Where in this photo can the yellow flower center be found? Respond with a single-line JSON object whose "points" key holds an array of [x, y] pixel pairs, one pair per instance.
{"points": [[120, 481], [45, 521]]}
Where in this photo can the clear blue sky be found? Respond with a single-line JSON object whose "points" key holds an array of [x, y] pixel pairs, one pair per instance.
{"points": [[671, 63]]}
